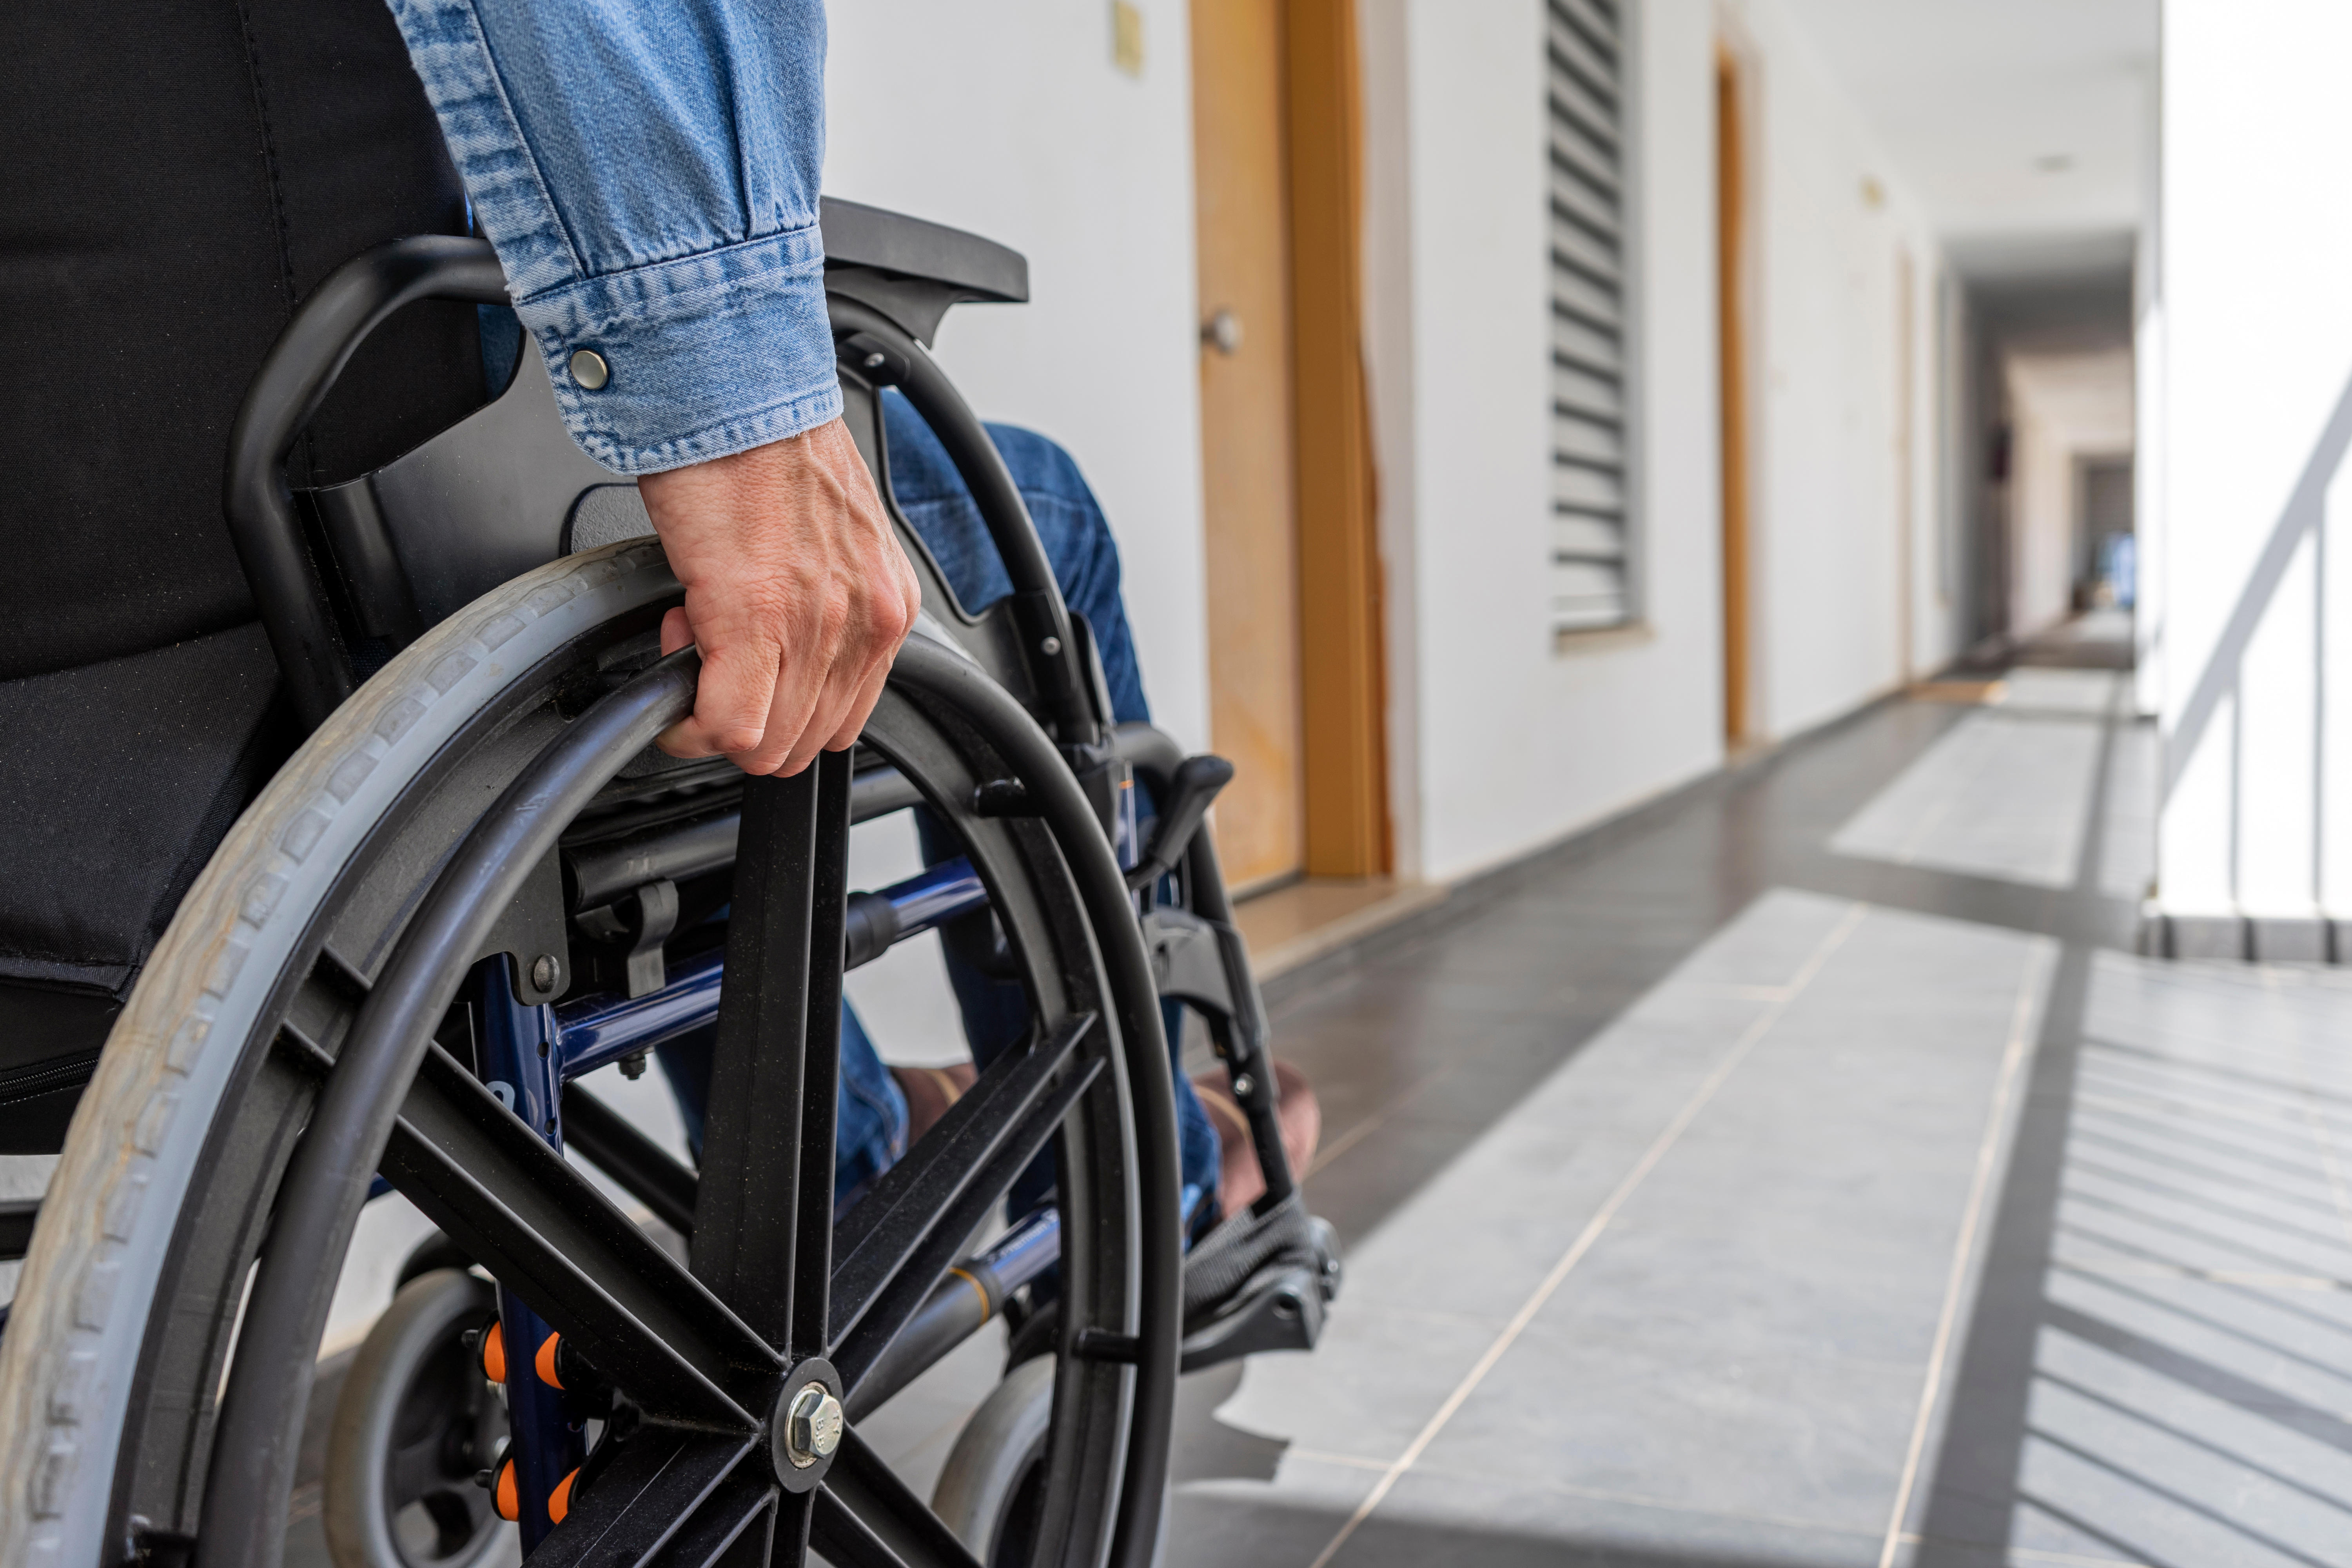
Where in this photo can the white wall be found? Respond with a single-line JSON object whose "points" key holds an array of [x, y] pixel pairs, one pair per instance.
{"points": [[1512, 742], [1509, 741], [1010, 120], [2254, 319], [1832, 215]]}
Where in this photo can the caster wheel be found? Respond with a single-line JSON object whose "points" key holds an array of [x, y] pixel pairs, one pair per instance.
{"points": [[416, 1420], [988, 1493], [991, 1491]]}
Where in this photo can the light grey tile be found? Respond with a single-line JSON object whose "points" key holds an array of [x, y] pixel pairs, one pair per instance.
{"points": [[1693, 1423], [1278, 1524], [1450, 1516], [1811, 1294], [2076, 1499], [2214, 1348], [1366, 1389], [1768, 943]]}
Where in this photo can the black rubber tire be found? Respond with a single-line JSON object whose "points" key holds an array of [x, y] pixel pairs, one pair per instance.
{"points": [[126, 1314]]}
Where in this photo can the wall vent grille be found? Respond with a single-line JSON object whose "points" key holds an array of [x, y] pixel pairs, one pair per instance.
{"points": [[1591, 565]]}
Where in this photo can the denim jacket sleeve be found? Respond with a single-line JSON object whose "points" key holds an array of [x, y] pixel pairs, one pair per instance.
{"points": [[648, 171]]}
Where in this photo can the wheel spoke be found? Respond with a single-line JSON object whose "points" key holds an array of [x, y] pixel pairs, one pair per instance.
{"points": [[761, 1193], [548, 1234], [736, 1527], [652, 1493], [643, 1168], [906, 1229], [865, 1518], [813, 1251]]}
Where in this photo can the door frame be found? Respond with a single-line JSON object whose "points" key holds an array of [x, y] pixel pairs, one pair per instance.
{"points": [[1343, 686], [1733, 361]]}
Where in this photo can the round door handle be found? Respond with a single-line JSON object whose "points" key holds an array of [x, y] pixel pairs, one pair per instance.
{"points": [[1223, 331]]}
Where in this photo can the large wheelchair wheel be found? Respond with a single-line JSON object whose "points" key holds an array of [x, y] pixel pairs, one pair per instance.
{"points": [[280, 1050]]}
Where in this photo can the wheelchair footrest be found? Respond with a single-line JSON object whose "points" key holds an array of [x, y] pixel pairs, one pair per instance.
{"points": [[1259, 1282]]}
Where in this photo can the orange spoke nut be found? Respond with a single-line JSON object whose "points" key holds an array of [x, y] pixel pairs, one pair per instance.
{"points": [[508, 1505], [558, 1502], [494, 1357], [544, 1363]]}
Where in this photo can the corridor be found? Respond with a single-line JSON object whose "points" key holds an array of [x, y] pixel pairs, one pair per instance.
{"points": [[1804, 1170]]}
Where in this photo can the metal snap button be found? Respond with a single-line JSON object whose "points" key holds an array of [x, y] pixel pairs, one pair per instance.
{"points": [[589, 369]]}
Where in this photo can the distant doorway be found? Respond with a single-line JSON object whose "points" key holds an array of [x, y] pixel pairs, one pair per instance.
{"points": [[2104, 553], [1297, 693], [1732, 315]]}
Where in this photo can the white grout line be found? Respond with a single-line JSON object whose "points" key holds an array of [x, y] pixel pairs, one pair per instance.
{"points": [[1964, 1248], [1591, 1234]]}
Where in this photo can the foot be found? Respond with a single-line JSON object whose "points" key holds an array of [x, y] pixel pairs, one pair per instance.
{"points": [[1240, 1180], [929, 1092]]}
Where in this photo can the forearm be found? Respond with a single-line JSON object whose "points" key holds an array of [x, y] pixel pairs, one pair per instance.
{"points": [[649, 175]]}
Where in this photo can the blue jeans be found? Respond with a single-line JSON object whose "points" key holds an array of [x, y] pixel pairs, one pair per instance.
{"points": [[872, 1130], [1085, 558]]}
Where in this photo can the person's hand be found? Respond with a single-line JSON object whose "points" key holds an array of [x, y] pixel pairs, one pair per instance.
{"points": [[796, 591]]}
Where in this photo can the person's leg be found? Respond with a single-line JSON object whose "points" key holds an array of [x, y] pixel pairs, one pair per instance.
{"points": [[1070, 523], [1084, 557]]}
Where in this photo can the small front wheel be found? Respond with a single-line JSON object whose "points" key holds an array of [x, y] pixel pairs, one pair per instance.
{"points": [[415, 1422], [989, 1491]]}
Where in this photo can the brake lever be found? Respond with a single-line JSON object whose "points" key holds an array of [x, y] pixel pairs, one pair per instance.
{"points": [[1191, 790]]}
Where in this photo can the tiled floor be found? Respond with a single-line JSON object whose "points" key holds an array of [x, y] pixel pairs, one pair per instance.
{"points": [[1807, 1174], [1798, 1172]]}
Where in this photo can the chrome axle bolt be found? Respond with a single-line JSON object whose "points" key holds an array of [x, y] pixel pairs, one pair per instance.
{"points": [[812, 1426]]}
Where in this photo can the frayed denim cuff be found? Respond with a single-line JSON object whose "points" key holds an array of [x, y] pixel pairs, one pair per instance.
{"points": [[700, 357]]}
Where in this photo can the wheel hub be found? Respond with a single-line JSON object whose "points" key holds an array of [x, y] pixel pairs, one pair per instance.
{"points": [[806, 1429], [812, 1426]]}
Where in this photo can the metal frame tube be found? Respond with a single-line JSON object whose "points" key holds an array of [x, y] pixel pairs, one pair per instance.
{"points": [[293, 380], [596, 1031]]}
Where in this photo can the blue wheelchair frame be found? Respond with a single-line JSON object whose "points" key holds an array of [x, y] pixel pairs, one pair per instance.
{"points": [[529, 1051]]}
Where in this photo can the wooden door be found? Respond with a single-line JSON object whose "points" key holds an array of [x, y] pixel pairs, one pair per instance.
{"points": [[1248, 441]]}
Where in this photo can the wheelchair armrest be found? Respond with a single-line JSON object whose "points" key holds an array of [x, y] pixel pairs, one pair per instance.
{"points": [[911, 270]]}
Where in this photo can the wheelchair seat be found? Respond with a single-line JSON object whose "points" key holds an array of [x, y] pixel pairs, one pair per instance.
{"points": [[130, 769]]}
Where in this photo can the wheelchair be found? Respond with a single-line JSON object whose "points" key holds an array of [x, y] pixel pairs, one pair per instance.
{"points": [[476, 881]]}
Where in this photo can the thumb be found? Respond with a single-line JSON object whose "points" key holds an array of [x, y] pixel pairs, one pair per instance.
{"points": [[676, 631]]}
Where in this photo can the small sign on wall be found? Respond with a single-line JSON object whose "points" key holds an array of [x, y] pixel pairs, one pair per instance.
{"points": [[1127, 38]]}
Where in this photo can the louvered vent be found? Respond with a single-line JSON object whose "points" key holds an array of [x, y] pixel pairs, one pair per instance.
{"points": [[1591, 569]]}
